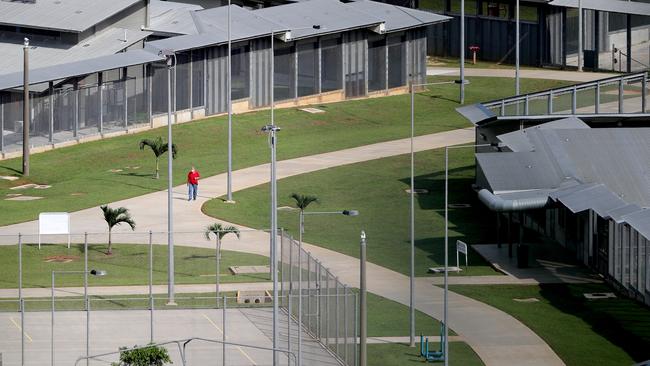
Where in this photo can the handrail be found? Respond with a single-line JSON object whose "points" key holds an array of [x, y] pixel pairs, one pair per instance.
{"points": [[185, 342], [561, 90]]}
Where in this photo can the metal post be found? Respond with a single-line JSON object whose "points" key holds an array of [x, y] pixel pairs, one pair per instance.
{"points": [[412, 227], [170, 209], [289, 296], [597, 108], [229, 96], [462, 51], [87, 331], [580, 21], [621, 91], [356, 329], [150, 286], [85, 265], [26, 109], [217, 260], [509, 234], [574, 100], [517, 85], [52, 323], [223, 351], [327, 307], [100, 86], [644, 92], [300, 294], [345, 324], [446, 347], [20, 298], [336, 313], [274, 235], [51, 111], [272, 80], [550, 102], [362, 303]]}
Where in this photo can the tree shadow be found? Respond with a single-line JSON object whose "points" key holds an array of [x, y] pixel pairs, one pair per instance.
{"points": [[134, 174], [19, 172]]}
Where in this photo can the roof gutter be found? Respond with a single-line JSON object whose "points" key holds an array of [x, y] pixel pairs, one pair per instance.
{"points": [[499, 204]]}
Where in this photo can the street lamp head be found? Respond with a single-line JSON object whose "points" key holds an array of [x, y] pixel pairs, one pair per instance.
{"points": [[26, 42], [350, 212], [98, 272], [270, 128]]}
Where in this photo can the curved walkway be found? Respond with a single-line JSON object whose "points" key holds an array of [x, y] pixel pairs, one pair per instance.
{"points": [[498, 338]]}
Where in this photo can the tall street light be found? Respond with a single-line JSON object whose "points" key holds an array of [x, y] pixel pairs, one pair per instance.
{"points": [[412, 209], [300, 235], [517, 87], [26, 109], [171, 63], [446, 287], [94, 272], [229, 101], [462, 51], [272, 130]]}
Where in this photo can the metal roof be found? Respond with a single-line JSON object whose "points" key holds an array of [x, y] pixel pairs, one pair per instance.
{"points": [[640, 221], [62, 15], [88, 66], [476, 113], [395, 17], [331, 15], [245, 24], [171, 18], [44, 54], [596, 197], [618, 213], [615, 6], [509, 171], [519, 140]]}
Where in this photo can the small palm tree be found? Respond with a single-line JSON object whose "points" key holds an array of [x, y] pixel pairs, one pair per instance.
{"points": [[158, 147], [219, 232], [302, 201], [116, 216]]}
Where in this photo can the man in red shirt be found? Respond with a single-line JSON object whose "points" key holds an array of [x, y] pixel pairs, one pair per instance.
{"points": [[193, 183]]}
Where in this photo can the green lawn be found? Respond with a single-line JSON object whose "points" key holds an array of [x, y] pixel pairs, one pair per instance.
{"points": [[397, 354], [81, 176], [377, 189], [583, 332], [128, 265]]}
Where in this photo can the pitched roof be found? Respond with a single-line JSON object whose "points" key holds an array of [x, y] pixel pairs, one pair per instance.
{"points": [[395, 17]]}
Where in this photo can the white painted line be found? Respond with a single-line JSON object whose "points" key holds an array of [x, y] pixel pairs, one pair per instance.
{"points": [[21, 329], [238, 347]]}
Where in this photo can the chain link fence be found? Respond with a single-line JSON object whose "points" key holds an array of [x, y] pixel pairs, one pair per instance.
{"points": [[60, 302]]}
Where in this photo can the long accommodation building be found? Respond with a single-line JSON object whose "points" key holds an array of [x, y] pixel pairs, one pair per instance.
{"points": [[323, 51]]}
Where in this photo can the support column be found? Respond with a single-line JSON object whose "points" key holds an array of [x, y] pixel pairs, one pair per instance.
{"points": [[498, 230], [126, 99], [509, 234], [101, 101], [51, 111]]}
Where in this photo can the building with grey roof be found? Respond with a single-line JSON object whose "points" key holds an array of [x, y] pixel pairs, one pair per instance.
{"points": [[579, 177], [323, 51]]}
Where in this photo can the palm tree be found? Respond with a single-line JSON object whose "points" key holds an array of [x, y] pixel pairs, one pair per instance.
{"points": [[158, 147], [116, 216], [219, 232], [302, 201]]}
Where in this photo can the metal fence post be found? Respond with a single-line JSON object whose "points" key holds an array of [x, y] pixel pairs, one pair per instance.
{"points": [[527, 105], [300, 294], [150, 286], [289, 296], [87, 331], [644, 92], [327, 307], [336, 313], [345, 324], [309, 289], [224, 330], [356, 329], [22, 329], [597, 108], [621, 108], [550, 102], [574, 100], [86, 267], [319, 287]]}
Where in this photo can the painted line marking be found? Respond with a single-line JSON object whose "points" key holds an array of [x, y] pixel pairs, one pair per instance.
{"points": [[21, 329], [238, 347]]}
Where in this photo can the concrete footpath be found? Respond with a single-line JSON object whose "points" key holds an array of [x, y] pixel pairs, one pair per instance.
{"points": [[581, 77], [498, 338]]}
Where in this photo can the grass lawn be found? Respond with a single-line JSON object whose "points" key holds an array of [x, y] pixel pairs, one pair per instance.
{"points": [[128, 265], [583, 332], [377, 189], [398, 354], [81, 176]]}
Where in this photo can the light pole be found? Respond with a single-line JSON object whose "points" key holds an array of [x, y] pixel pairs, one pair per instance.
{"points": [[580, 30], [94, 272], [229, 97], [300, 234], [462, 51], [446, 287], [26, 109], [363, 314], [412, 210], [517, 88], [272, 130], [170, 55]]}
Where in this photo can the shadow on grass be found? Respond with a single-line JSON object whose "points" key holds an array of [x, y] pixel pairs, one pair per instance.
{"points": [[621, 321]]}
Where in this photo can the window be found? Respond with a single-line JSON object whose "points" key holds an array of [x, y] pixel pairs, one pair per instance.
{"points": [[240, 72], [284, 65], [377, 64], [397, 61], [307, 69], [198, 78]]}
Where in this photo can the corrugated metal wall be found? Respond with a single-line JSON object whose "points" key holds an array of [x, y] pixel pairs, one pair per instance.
{"points": [[355, 63], [217, 69], [260, 72]]}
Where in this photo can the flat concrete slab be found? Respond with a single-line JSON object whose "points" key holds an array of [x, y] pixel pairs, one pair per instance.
{"points": [[237, 270], [23, 198], [110, 330]]}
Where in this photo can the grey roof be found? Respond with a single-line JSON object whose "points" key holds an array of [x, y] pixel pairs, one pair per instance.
{"points": [[596, 197], [331, 15], [640, 221], [616, 6], [171, 18], [63, 15], [88, 66], [245, 24], [395, 17], [506, 172], [44, 54], [519, 140], [618, 213], [476, 113]]}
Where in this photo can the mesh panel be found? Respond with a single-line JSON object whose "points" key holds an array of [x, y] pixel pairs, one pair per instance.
{"points": [[331, 65], [240, 67], [198, 78], [284, 74], [377, 63], [396, 61]]}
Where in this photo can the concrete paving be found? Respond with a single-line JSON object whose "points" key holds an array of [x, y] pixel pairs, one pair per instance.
{"points": [[110, 330], [498, 338], [524, 73]]}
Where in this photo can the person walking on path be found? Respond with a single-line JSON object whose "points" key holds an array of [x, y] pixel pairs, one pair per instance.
{"points": [[193, 183]]}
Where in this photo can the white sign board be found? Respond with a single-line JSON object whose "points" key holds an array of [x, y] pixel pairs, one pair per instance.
{"points": [[461, 247], [53, 223]]}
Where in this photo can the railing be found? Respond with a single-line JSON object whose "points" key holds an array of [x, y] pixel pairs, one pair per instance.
{"points": [[626, 94]]}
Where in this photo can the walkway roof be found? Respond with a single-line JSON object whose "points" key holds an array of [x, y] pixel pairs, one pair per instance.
{"points": [[396, 17]]}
